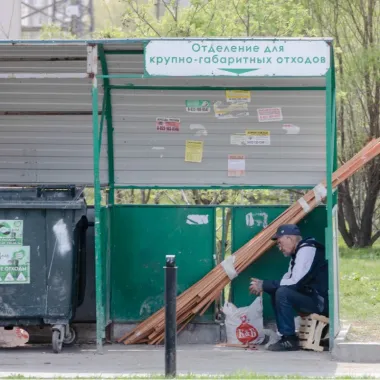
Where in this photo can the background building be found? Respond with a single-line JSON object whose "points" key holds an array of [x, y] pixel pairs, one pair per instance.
{"points": [[27, 18]]}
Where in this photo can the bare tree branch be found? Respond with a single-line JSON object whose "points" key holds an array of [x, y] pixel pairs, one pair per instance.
{"points": [[237, 12], [191, 19], [7, 34], [167, 7], [184, 197], [143, 17], [211, 18], [375, 237], [105, 4], [170, 198], [145, 196], [215, 198], [350, 11], [196, 196], [157, 197]]}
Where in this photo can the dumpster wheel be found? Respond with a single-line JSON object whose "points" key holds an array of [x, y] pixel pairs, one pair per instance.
{"points": [[71, 338], [57, 341]]}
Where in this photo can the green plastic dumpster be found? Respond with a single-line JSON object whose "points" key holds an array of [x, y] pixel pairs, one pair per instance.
{"points": [[42, 252]]}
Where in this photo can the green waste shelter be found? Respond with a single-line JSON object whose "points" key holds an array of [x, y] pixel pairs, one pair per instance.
{"points": [[183, 113]]}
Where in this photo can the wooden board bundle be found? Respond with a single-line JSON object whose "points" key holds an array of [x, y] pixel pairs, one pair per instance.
{"points": [[198, 298]]}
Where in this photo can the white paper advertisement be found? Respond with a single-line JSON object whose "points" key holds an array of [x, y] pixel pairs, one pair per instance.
{"points": [[236, 165], [254, 137], [269, 114]]}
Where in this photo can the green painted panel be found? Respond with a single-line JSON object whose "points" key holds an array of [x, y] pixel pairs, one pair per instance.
{"points": [[142, 237], [105, 223], [248, 222]]}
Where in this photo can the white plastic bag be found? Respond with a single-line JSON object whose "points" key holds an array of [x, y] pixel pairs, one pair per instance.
{"points": [[244, 324], [13, 338]]}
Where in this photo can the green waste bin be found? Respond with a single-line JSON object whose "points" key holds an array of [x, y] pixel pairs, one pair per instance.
{"points": [[42, 251]]}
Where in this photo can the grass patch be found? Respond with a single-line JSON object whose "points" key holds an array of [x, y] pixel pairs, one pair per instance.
{"points": [[360, 291]]}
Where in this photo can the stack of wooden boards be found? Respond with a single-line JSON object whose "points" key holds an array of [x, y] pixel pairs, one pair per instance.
{"points": [[198, 298]]}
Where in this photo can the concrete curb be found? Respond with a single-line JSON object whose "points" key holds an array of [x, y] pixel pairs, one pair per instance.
{"points": [[355, 352]]}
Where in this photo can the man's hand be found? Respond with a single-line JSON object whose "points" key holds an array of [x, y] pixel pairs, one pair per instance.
{"points": [[256, 286]]}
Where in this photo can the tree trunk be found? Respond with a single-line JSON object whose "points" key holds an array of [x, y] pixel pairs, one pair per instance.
{"points": [[365, 234], [346, 235]]}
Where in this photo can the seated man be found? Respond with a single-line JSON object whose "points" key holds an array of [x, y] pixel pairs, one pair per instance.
{"points": [[303, 288]]}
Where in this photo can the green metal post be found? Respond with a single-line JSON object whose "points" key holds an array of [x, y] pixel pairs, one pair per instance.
{"points": [[334, 128], [110, 150], [97, 201], [329, 230], [333, 115], [102, 123], [334, 157], [108, 112], [223, 245]]}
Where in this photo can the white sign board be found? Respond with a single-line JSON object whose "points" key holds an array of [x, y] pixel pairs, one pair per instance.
{"points": [[237, 58]]}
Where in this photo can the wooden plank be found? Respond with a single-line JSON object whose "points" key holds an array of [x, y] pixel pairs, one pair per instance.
{"points": [[207, 290]]}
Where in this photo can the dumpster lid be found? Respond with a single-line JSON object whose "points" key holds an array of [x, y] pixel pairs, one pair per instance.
{"points": [[68, 197]]}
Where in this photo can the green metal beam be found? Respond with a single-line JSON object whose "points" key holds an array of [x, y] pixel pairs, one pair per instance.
{"points": [[147, 76], [121, 76], [123, 52], [108, 108], [208, 88], [206, 206], [227, 187], [102, 123]]}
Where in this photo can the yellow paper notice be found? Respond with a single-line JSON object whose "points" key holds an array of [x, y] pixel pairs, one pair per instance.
{"points": [[257, 133], [238, 96], [194, 151], [257, 137]]}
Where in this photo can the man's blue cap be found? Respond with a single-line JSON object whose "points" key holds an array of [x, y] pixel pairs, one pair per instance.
{"points": [[287, 229]]}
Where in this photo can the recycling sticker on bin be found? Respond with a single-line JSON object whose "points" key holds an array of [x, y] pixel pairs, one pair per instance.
{"points": [[15, 265], [11, 232]]}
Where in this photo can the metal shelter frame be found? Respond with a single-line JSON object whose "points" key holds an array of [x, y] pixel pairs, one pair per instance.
{"points": [[96, 53]]}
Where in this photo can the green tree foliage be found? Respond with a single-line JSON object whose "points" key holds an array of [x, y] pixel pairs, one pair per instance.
{"points": [[355, 27], [217, 18], [108, 15], [54, 32]]}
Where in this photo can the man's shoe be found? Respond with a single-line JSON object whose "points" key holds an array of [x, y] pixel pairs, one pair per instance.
{"points": [[286, 343]]}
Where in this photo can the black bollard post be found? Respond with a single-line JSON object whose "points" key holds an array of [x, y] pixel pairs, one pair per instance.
{"points": [[170, 316]]}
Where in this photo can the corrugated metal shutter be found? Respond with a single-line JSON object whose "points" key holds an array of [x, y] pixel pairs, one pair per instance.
{"points": [[145, 156], [46, 124]]}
